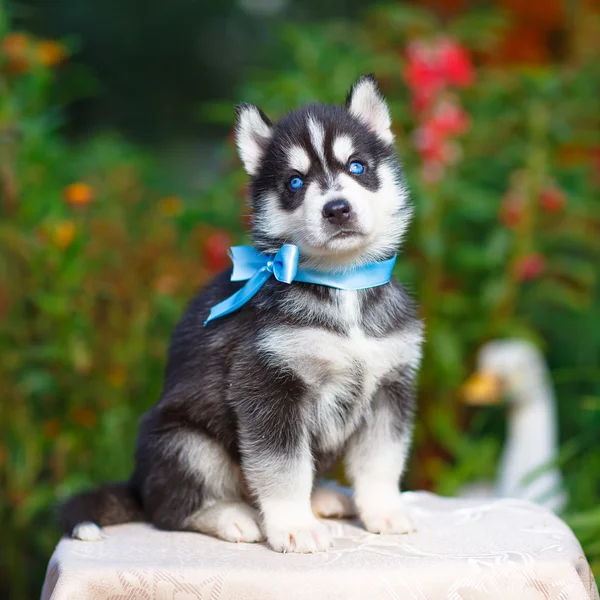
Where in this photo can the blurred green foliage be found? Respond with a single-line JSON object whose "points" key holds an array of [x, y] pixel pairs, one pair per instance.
{"points": [[96, 261], [145, 75], [98, 257]]}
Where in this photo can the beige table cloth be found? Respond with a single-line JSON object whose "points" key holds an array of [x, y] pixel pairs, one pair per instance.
{"points": [[463, 550]]}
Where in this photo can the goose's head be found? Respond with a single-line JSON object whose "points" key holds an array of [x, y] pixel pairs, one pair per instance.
{"points": [[511, 369]]}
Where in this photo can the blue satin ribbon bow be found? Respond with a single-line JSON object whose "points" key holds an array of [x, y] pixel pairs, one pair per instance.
{"points": [[256, 267]]}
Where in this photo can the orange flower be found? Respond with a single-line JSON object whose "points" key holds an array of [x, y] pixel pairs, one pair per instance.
{"points": [[78, 194], [51, 428], [85, 417], [171, 206], [16, 47], [50, 53], [63, 234]]}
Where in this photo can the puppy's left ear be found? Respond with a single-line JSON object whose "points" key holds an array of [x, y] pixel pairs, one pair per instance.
{"points": [[253, 131], [365, 102]]}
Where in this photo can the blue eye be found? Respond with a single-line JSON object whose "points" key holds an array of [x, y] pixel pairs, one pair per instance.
{"points": [[356, 168], [296, 183]]}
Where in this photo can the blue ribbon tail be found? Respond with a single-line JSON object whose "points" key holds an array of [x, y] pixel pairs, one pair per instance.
{"points": [[240, 298]]}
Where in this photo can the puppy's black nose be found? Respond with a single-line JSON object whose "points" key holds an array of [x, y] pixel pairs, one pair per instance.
{"points": [[337, 212]]}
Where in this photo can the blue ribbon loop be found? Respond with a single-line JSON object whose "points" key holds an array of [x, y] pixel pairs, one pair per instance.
{"points": [[255, 267]]}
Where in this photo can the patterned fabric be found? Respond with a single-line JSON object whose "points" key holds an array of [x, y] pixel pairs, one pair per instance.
{"points": [[464, 550]]}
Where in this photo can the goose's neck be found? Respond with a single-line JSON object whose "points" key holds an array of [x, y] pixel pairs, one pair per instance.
{"points": [[531, 442]]}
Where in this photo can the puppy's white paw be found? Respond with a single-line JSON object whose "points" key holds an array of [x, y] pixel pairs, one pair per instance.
{"points": [[387, 520], [306, 537], [232, 522], [239, 526], [331, 503], [86, 531]]}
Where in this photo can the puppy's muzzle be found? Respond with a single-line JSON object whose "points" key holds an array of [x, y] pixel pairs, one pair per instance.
{"points": [[337, 212]]}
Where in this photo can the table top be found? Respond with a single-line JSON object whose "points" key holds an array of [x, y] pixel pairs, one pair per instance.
{"points": [[463, 550]]}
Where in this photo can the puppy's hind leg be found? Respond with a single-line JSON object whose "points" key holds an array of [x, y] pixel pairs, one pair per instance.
{"points": [[197, 487], [230, 521], [330, 501]]}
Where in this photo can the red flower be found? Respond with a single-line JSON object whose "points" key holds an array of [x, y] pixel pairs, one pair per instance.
{"points": [[455, 63], [431, 67], [422, 74], [429, 143], [433, 145], [421, 101], [449, 119], [511, 210], [552, 199], [530, 266], [215, 250]]}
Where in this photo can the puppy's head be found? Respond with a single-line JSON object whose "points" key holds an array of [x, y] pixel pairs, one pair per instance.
{"points": [[327, 179]]}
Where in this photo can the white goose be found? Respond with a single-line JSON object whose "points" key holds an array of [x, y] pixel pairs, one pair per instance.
{"points": [[516, 370]]}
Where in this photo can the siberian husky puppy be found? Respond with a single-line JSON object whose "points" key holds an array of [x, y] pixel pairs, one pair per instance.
{"points": [[257, 404]]}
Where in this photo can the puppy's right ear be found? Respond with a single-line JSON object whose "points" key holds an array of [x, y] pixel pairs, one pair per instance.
{"points": [[253, 131]]}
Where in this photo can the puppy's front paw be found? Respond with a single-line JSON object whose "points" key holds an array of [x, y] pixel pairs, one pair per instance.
{"points": [[392, 519], [305, 537]]}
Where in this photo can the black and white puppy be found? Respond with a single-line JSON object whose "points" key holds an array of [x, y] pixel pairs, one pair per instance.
{"points": [[259, 403]]}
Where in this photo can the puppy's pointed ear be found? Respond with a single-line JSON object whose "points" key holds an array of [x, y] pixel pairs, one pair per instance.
{"points": [[365, 102], [253, 131]]}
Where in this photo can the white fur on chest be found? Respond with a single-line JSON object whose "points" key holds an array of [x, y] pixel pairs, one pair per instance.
{"points": [[333, 364]]}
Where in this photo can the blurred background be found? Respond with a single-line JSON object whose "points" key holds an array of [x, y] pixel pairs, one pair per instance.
{"points": [[120, 193]]}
